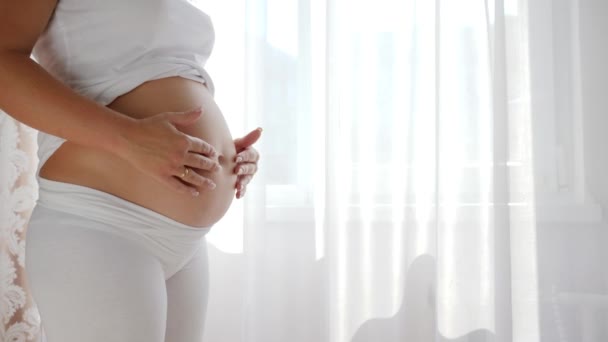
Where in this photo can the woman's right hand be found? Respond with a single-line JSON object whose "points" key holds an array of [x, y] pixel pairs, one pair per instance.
{"points": [[156, 147]]}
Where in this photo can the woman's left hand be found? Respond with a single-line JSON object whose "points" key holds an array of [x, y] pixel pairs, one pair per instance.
{"points": [[246, 159]]}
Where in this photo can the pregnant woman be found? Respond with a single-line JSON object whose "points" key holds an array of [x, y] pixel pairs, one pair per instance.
{"points": [[136, 163]]}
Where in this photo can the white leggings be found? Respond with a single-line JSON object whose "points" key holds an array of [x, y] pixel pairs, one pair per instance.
{"points": [[103, 269]]}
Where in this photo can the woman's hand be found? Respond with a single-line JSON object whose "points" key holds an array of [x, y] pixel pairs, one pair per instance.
{"points": [[246, 160], [156, 147]]}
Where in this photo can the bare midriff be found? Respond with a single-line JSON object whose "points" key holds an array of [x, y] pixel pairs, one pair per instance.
{"points": [[101, 170]]}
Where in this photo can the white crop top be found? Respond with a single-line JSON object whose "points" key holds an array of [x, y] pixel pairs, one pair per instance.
{"points": [[104, 49]]}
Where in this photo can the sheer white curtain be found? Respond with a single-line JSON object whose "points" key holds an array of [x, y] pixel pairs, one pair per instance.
{"points": [[424, 175]]}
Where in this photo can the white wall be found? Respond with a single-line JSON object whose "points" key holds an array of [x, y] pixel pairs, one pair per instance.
{"points": [[572, 256], [594, 58]]}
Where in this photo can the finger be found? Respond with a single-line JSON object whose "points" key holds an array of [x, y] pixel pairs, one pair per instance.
{"points": [[192, 177], [246, 169], [181, 187], [200, 146], [198, 161], [248, 140], [184, 118], [249, 154], [242, 181], [240, 193]]}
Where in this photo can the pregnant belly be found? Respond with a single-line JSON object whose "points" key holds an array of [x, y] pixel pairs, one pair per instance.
{"points": [[80, 165]]}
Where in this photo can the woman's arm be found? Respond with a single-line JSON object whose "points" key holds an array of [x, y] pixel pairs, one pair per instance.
{"points": [[32, 96]]}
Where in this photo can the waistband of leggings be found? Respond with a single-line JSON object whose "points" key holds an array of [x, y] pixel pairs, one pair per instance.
{"points": [[96, 204]]}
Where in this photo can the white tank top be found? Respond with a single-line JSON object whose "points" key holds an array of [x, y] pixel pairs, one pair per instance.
{"points": [[104, 49]]}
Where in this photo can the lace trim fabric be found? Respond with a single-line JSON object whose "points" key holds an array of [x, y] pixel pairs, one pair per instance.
{"points": [[18, 195]]}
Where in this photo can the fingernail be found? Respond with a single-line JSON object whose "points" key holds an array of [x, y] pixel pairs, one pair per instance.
{"points": [[195, 193], [240, 171], [239, 159], [211, 185], [259, 129], [217, 167]]}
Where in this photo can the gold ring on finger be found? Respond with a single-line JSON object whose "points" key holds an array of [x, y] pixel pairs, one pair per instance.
{"points": [[185, 173]]}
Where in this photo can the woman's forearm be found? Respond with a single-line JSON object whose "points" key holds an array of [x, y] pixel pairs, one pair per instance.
{"points": [[32, 96], [153, 145]]}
